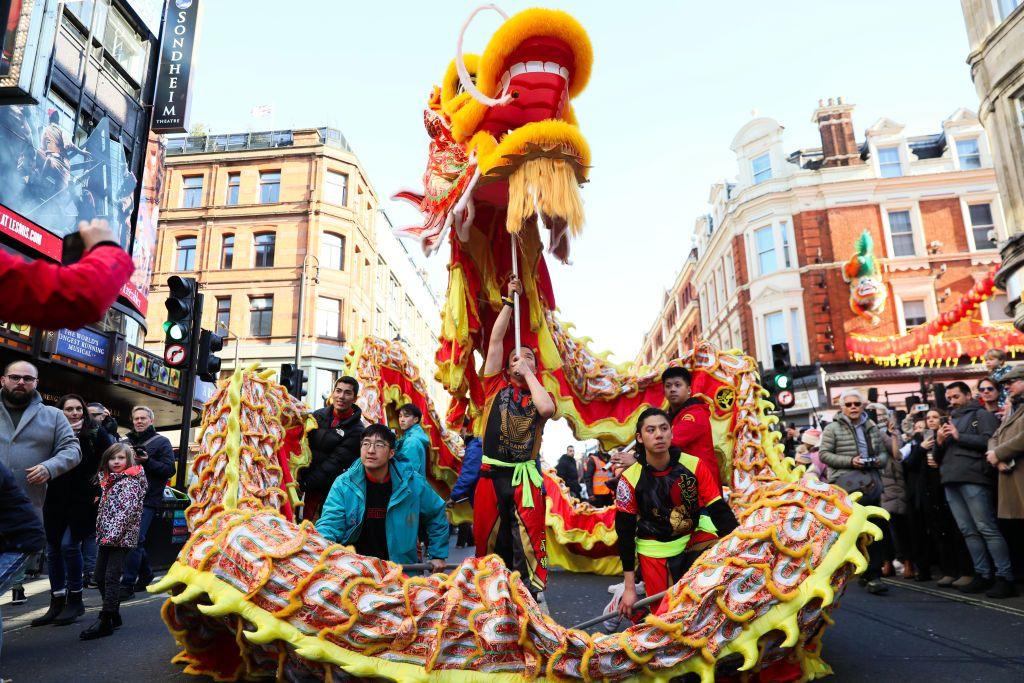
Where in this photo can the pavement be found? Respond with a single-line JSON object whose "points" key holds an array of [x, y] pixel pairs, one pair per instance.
{"points": [[916, 632]]}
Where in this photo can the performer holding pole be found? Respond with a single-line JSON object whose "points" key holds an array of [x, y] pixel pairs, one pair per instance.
{"points": [[508, 515], [660, 501]]}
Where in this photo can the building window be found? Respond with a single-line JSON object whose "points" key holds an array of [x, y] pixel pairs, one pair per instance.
{"points": [[784, 233], [762, 167], [889, 162], [325, 380], [968, 153], [261, 313], [336, 188], [1006, 7], [270, 187], [227, 252], [328, 318], [774, 331], [264, 249], [223, 314], [720, 286], [764, 242], [902, 233], [234, 183], [996, 308], [914, 313], [332, 251], [982, 226], [192, 192], [730, 275], [125, 45], [185, 254], [797, 347]]}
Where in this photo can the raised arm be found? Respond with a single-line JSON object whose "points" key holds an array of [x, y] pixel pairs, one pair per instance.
{"points": [[496, 344]]}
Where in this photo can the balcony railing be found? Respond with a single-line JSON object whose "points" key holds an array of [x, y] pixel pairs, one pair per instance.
{"points": [[230, 142]]}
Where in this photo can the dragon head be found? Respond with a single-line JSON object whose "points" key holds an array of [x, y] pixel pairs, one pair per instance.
{"points": [[504, 133]]}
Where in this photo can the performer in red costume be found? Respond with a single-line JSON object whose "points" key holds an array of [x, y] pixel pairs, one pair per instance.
{"points": [[691, 419], [508, 510], [660, 501]]}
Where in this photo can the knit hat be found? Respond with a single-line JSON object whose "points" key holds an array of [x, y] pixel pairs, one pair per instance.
{"points": [[812, 437]]}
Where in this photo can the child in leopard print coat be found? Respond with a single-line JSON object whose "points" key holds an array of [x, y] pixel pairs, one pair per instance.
{"points": [[117, 529]]}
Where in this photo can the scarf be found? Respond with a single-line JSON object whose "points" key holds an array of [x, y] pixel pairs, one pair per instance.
{"points": [[337, 418]]}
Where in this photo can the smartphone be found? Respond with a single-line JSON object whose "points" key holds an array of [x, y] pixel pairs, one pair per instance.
{"points": [[73, 248], [944, 420]]}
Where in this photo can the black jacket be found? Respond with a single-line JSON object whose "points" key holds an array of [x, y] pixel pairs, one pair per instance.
{"points": [[79, 485], [21, 530], [159, 466], [963, 461], [566, 469], [333, 449]]}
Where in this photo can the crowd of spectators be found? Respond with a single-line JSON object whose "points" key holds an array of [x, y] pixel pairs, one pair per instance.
{"points": [[946, 472]]}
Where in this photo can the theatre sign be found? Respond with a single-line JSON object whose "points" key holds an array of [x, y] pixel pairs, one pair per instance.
{"points": [[174, 77]]}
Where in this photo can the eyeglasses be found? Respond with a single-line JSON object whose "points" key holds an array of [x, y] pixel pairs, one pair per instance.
{"points": [[853, 404], [987, 389], [375, 445], [18, 379]]}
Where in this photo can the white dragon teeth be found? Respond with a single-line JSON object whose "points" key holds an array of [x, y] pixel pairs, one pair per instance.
{"points": [[533, 67]]}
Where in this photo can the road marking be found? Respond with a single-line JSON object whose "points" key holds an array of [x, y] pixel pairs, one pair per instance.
{"points": [[957, 597]]}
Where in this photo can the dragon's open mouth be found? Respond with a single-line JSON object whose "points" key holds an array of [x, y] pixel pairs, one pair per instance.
{"points": [[536, 75]]}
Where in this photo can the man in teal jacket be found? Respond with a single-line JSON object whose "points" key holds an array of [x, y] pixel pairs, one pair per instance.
{"points": [[377, 508], [414, 445]]}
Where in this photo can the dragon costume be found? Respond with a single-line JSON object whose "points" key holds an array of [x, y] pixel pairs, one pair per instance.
{"points": [[256, 595], [867, 293]]}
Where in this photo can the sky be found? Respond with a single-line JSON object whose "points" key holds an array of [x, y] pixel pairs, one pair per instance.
{"points": [[672, 83]]}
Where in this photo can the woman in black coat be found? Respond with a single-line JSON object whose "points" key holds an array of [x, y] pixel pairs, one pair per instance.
{"points": [[69, 516]]}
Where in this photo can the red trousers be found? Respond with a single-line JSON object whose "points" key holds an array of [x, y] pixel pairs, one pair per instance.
{"points": [[501, 525], [656, 576]]}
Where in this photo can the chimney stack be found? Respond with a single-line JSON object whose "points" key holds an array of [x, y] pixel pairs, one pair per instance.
{"points": [[835, 123]]}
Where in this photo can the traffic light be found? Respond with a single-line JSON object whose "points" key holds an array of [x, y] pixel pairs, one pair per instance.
{"points": [[207, 364], [293, 379], [780, 382], [181, 305]]}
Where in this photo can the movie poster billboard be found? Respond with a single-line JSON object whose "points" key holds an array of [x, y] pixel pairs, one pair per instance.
{"points": [[144, 248], [49, 182]]}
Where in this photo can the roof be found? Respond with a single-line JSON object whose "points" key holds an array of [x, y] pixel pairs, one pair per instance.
{"points": [[230, 142], [905, 374]]}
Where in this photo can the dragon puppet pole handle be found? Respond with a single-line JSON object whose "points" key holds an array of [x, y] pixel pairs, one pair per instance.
{"points": [[515, 295]]}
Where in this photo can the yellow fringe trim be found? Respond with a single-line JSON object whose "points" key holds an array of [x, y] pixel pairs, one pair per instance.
{"points": [[548, 185]]}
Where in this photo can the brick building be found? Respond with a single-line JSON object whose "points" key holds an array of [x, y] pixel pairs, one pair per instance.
{"points": [[677, 327], [770, 250], [247, 214]]}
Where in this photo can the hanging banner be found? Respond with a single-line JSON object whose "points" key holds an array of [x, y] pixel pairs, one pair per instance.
{"points": [[174, 77], [136, 290]]}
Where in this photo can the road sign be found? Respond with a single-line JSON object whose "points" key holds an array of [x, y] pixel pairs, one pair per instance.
{"points": [[785, 399], [174, 355]]}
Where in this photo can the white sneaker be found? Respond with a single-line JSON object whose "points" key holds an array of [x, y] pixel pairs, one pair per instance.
{"points": [[897, 566], [542, 602]]}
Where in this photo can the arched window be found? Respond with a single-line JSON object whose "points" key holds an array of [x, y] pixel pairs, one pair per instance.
{"points": [[227, 252], [263, 246], [332, 251], [185, 254]]}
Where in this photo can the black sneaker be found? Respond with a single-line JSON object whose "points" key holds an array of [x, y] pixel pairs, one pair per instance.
{"points": [[143, 581], [1001, 588], [979, 584], [18, 596], [876, 587], [126, 593]]}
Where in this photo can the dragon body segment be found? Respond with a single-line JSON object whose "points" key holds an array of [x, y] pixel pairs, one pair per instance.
{"points": [[256, 595]]}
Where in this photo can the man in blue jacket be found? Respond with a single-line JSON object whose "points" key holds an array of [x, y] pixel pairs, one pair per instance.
{"points": [[21, 531], [414, 445], [378, 507]]}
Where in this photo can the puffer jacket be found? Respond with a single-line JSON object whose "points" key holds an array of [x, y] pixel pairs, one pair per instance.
{"points": [[120, 515], [334, 449], [839, 446], [1008, 445], [963, 461]]}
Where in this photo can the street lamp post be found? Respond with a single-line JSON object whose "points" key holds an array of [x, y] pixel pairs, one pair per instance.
{"points": [[302, 302], [229, 333]]}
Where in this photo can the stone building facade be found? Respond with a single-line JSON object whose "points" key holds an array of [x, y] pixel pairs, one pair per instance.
{"points": [[247, 214]]}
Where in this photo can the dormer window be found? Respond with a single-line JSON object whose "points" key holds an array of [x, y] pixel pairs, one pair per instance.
{"points": [[968, 153], [762, 167], [889, 165]]}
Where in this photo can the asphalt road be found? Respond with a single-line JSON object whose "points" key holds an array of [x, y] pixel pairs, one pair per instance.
{"points": [[915, 633]]}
